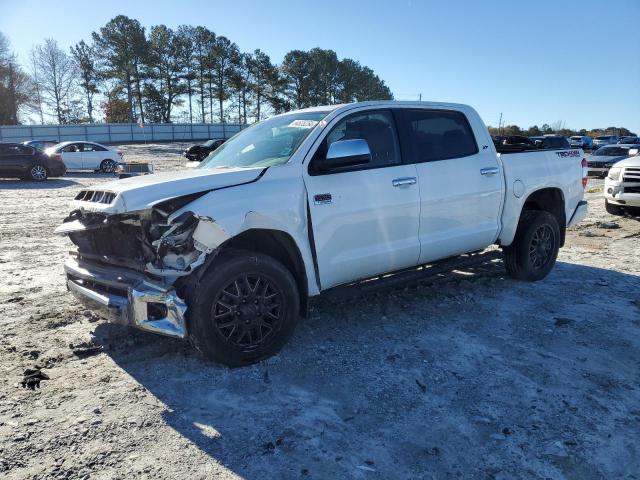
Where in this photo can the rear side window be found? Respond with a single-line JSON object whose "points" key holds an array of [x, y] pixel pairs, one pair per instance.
{"points": [[88, 147], [26, 150], [430, 135]]}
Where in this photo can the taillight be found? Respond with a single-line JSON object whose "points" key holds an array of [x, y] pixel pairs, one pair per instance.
{"points": [[56, 156], [585, 173]]}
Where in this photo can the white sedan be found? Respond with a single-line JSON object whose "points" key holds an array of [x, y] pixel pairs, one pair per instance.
{"points": [[87, 156]]}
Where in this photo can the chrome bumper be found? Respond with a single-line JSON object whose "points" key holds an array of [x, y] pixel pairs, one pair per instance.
{"points": [[127, 297]]}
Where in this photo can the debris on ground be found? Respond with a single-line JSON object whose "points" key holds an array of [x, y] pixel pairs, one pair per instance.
{"points": [[32, 377]]}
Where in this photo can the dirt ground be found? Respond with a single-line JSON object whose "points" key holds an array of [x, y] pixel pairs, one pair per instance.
{"points": [[464, 375]]}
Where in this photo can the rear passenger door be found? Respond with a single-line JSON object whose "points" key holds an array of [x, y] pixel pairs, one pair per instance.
{"points": [[461, 182], [15, 159], [92, 156], [9, 164]]}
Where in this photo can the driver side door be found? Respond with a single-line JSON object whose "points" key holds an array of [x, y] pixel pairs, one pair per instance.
{"points": [[72, 156], [365, 218]]}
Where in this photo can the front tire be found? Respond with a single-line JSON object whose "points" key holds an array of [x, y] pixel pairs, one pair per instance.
{"points": [[612, 209], [37, 173], [107, 166], [245, 309], [535, 247]]}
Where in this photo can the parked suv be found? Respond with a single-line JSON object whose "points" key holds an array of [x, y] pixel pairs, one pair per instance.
{"points": [[631, 140], [228, 254], [553, 142], [24, 161], [622, 185], [603, 140], [581, 141]]}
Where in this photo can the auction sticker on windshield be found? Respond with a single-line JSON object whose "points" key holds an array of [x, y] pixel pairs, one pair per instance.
{"points": [[303, 123]]}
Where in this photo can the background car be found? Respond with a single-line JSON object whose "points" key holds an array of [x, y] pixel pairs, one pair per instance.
{"points": [[631, 140], [552, 141], [87, 156], [24, 161], [41, 144], [199, 152], [600, 161], [604, 140], [581, 141]]}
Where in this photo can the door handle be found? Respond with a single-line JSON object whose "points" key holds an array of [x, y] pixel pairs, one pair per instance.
{"points": [[404, 181], [490, 171]]}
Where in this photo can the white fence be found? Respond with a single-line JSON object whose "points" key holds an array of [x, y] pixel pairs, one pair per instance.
{"points": [[120, 132]]}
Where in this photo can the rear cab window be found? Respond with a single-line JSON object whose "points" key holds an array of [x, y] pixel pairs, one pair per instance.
{"points": [[431, 135]]}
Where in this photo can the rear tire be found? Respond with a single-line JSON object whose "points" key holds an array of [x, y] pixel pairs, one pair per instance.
{"points": [[612, 208], [245, 309], [37, 173], [107, 166], [535, 247]]}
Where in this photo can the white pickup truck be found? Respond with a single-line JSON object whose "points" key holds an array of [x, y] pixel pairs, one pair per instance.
{"points": [[229, 253]]}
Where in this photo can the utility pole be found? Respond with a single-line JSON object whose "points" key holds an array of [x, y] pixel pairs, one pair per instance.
{"points": [[420, 95], [500, 125]]}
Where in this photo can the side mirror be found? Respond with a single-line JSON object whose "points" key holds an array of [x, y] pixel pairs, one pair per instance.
{"points": [[346, 153]]}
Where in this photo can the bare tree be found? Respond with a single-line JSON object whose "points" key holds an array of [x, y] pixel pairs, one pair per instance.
{"points": [[56, 74], [37, 93]]}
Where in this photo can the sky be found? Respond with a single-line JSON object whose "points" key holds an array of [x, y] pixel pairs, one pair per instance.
{"points": [[570, 61]]}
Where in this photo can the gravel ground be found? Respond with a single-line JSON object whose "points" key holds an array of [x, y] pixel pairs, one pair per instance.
{"points": [[465, 375]]}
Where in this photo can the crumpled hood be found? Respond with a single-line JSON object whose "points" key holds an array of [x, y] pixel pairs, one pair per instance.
{"points": [[139, 193]]}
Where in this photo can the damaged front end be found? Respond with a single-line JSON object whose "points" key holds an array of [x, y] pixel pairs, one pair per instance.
{"points": [[134, 267]]}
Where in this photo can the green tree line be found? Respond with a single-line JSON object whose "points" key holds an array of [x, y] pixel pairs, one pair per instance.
{"points": [[126, 73], [558, 129]]}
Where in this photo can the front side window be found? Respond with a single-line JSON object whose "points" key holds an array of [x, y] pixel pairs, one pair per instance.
{"points": [[264, 144], [436, 135], [376, 127], [73, 148]]}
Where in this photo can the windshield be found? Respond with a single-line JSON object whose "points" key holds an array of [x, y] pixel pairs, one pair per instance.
{"points": [[576, 138], [603, 138], [611, 152], [265, 144]]}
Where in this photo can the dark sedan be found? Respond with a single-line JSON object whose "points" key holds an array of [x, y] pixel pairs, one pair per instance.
{"points": [[41, 144], [199, 152], [24, 161]]}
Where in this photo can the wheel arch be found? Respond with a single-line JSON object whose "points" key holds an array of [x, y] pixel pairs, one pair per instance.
{"points": [[550, 199], [277, 244]]}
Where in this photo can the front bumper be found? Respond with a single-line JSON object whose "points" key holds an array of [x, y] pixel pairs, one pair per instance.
{"points": [[127, 297], [622, 193]]}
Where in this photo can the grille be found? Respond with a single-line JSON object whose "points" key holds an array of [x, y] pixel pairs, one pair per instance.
{"points": [[593, 164], [96, 196], [136, 168], [631, 174]]}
